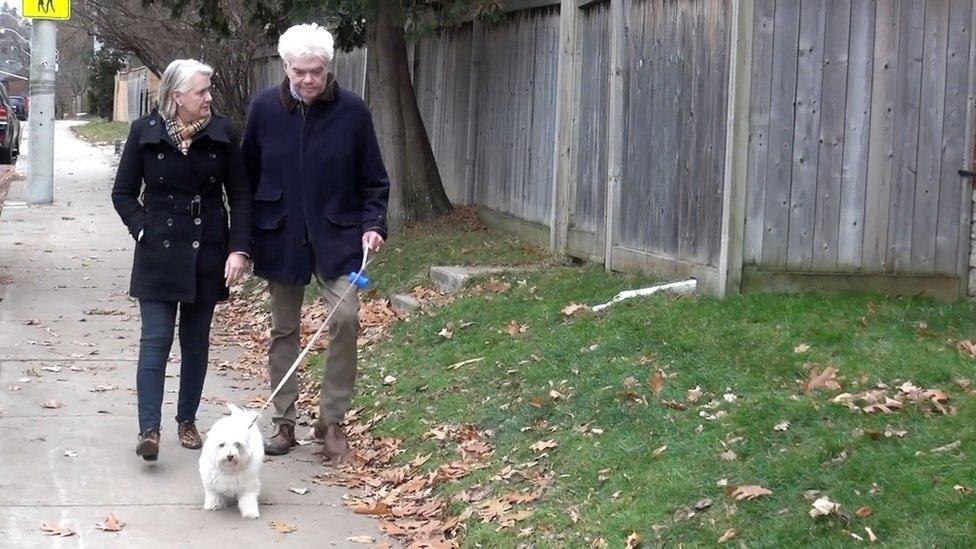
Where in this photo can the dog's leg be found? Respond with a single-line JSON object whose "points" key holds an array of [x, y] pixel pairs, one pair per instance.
{"points": [[212, 501], [247, 503]]}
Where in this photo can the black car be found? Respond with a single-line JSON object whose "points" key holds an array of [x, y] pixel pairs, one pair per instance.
{"points": [[9, 130], [20, 106]]}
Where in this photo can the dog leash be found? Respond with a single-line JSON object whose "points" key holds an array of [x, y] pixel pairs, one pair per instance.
{"points": [[356, 280]]}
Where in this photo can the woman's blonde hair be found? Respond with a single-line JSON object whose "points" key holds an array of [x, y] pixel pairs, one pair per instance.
{"points": [[176, 78]]}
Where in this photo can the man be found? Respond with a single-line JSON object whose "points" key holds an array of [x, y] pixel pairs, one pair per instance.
{"points": [[320, 197]]}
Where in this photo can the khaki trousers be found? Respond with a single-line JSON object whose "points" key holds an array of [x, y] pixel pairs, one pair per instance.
{"points": [[340, 365]]}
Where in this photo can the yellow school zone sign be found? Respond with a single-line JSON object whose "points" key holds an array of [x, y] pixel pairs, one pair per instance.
{"points": [[47, 9]]}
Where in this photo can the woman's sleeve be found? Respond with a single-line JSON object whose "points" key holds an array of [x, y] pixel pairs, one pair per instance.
{"points": [[128, 185]]}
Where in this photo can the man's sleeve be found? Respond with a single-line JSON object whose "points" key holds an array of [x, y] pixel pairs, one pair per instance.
{"points": [[374, 183]]}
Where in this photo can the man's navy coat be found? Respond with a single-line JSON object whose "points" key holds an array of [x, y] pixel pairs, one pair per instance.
{"points": [[318, 183]]}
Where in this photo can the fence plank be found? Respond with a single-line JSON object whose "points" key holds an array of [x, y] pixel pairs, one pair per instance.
{"points": [[857, 122], [776, 211], [930, 136], [762, 74], [806, 133], [905, 152], [881, 139], [831, 160], [952, 232]]}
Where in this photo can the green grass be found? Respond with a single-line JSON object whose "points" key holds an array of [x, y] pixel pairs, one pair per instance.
{"points": [[102, 131], [743, 345]]}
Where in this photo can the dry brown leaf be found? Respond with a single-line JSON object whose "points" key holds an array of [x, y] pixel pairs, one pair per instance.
{"points": [[659, 450], [361, 539], [378, 508], [967, 347], [537, 401], [283, 527], [823, 507], [110, 524], [657, 381], [871, 536], [822, 380], [801, 348], [497, 286], [863, 512], [630, 382], [634, 540], [782, 426], [53, 529], [694, 394], [729, 534], [727, 455], [457, 365], [574, 309], [750, 492], [445, 333], [962, 489], [513, 328], [51, 405], [544, 445]]}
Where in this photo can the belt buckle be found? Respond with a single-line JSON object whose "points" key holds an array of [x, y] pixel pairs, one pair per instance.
{"points": [[195, 207]]}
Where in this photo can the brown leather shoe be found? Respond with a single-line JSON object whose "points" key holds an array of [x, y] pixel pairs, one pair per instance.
{"points": [[282, 441], [189, 436], [148, 446], [333, 440]]}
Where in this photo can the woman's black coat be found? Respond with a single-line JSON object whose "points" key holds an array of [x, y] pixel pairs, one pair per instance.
{"points": [[178, 203]]}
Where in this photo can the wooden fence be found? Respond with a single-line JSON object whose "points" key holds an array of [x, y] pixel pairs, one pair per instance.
{"points": [[752, 144]]}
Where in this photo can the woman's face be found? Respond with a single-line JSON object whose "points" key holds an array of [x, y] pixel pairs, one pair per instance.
{"points": [[194, 103]]}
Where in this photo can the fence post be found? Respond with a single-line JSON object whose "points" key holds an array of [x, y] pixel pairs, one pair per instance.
{"points": [[566, 86], [969, 162], [616, 125], [736, 148]]}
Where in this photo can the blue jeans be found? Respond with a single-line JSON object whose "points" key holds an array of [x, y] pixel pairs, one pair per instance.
{"points": [[158, 324]]}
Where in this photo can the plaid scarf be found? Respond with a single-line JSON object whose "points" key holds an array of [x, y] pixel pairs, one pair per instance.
{"points": [[182, 134]]}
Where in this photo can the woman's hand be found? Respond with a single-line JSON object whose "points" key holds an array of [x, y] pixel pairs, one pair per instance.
{"points": [[234, 268]]}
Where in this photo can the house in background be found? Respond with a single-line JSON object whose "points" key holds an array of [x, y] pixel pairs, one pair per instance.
{"points": [[135, 92]]}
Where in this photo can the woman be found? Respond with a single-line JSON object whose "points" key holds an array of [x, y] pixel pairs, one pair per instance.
{"points": [[176, 165]]}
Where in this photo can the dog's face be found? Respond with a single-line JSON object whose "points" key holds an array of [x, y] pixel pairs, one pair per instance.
{"points": [[230, 440]]}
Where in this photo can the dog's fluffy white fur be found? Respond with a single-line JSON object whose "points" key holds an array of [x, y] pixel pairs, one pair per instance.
{"points": [[230, 463]]}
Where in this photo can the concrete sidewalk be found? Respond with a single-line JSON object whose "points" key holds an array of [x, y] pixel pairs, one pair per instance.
{"points": [[67, 332]]}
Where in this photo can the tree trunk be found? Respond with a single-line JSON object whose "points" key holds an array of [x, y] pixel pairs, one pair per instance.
{"points": [[416, 189]]}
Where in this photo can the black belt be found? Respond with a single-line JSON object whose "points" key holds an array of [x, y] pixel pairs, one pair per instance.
{"points": [[182, 205]]}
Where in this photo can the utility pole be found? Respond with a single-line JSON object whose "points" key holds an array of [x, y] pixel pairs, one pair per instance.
{"points": [[40, 169]]}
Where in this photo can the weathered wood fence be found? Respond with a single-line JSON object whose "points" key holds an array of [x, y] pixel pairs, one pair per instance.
{"points": [[752, 144]]}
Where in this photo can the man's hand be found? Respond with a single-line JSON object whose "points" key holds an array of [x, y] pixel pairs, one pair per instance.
{"points": [[236, 263], [372, 240]]}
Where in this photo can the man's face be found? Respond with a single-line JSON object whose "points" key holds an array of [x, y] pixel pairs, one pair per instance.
{"points": [[308, 76]]}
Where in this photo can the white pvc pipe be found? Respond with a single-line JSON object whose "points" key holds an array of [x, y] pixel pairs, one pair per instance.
{"points": [[677, 288]]}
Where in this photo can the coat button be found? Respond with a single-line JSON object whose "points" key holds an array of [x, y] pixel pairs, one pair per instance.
{"points": [[166, 243], [169, 222], [171, 197], [212, 179], [160, 156], [196, 244], [197, 198], [160, 179], [197, 221], [213, 156], [152, 122]]}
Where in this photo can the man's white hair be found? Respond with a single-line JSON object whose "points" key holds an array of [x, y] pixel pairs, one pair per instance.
{"points": [[176, 78], [306, 40]]}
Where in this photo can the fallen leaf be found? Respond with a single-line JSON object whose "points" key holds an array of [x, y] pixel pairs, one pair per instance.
{"points": [[378, 508], [537, 402], [822, 380], [750, 492], [53, 529], [389, 380], [863, 512], [573, 309], [630, 382], [51, 405], [658, 451], [967, 347], [634, 540], [361, 539], [703, 504], [544, 445], [445, 333], [871, 536], [283, 527], [513, 328], [727, 455], [70, 454], [729, 534], [892, 432], [824, 507], [947, 448], [103, 388], [801, 348], [694, 394], [497, 286], [782, 426], [657, 381], [962, 489], [457, 365], [299, 491], [110, 524]]}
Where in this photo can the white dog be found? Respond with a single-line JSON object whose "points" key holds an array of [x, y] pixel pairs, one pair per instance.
{"points": [[230, 463]]}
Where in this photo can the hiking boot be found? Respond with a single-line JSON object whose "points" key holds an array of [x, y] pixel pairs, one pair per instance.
{"points": [[333, 440], [282, 441], [189, 436], [148, 446]]}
